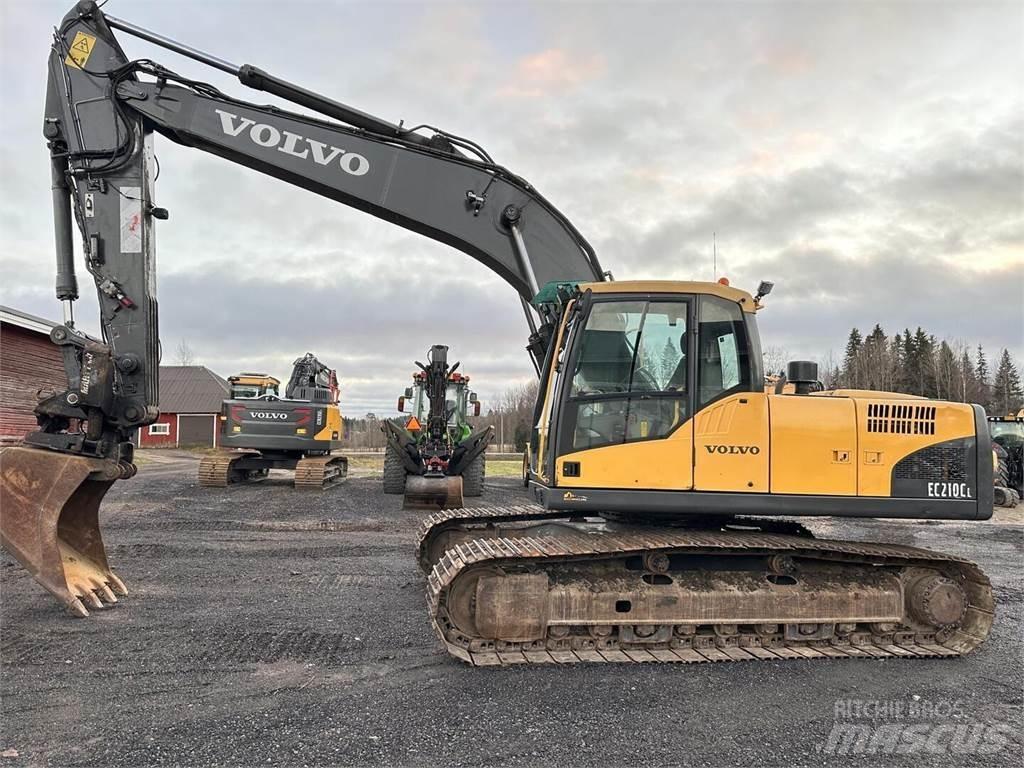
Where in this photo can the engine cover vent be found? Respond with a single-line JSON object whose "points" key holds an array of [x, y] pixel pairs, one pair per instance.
{"points": [[942, 461], [901, 419]]}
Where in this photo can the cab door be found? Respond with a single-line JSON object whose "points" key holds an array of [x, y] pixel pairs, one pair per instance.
{"points": [[731, 433], [626, 396]]}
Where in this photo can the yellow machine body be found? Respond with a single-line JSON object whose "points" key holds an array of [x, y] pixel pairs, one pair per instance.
{"points": [[696, 445]]}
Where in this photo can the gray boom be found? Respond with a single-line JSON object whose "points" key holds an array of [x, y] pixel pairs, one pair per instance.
{"points": [[99, 123]]}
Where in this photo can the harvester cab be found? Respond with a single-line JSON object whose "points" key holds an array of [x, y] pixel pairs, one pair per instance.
{"points": [[1008, 449], [459, 403], [436, 458]]}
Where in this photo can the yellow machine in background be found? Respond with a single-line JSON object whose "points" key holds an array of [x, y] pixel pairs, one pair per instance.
{"points": [[298, 432], [253, 385]]}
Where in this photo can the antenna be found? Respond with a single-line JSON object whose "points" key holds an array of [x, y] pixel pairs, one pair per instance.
{"points": [[714, 257]]}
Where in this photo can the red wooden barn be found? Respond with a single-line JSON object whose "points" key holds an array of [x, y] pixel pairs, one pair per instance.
{"points": [[190, 395], [29, 362], [190, 398]]}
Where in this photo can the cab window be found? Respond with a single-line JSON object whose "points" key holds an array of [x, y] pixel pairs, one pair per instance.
{"points": [[723, 352], [629, 378]]}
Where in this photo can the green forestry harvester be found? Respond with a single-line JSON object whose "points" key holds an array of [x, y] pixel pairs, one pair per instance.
{"points": [[1008, 446], [437, 457]]}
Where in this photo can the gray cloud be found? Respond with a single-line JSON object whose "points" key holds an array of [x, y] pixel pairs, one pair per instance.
{"points": [[866, 157]]}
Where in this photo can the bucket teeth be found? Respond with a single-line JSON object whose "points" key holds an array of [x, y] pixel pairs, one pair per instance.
{"points": [[91, 599], [117, 584], [107, 594]]}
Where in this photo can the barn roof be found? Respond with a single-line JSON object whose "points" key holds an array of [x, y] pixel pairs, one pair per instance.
{"points": [[25, 320], [30, 322], [191, 389]]}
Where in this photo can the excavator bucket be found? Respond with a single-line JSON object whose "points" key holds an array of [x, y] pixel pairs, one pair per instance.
{"points": [[49, 520], [432, 493]]}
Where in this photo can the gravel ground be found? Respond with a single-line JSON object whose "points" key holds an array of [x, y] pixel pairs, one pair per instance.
{"points": [[267, 626]]}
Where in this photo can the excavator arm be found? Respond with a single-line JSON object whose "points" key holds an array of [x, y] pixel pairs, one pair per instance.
{"points": [[102, 110]]}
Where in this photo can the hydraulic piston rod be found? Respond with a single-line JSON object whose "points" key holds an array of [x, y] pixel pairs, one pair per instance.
{"points": [[256, 78]]}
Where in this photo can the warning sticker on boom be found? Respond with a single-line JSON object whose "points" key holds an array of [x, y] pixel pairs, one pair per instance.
{"points": [[131, 220], [81, 47]]}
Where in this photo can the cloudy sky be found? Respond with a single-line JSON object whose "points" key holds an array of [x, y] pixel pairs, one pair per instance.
{"points": [[866, 157]]}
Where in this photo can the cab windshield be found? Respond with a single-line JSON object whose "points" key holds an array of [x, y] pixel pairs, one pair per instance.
{"points": [[245, 392], [1007, 433], [635, 363], [455, 404]]}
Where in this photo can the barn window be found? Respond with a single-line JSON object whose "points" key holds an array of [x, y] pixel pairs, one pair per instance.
{"points": [[159, 429]]}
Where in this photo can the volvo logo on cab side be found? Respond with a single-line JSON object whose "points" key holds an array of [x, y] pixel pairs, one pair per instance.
{"points": [[266, 135], [734, 449]]}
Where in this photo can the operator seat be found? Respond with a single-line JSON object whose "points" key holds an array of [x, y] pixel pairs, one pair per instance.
{"points": [[709, 373], [604, 364]]}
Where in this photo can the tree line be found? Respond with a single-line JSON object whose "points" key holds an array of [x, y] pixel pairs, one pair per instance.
{"points": [[510, 414], [917, 363], [911, 362]]}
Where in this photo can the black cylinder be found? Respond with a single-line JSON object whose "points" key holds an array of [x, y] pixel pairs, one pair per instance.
{"points": [[67, 283], [802, 370], [254, 77], [803, 374]]}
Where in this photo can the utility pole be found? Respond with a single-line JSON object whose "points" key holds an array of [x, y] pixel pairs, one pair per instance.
{"points": [[714, 255]]}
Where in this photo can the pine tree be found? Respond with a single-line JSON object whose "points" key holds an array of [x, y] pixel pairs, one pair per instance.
{"points": [[896, 360], [946, 377], [968, 392], [668, 362], [851, 374], [984, 396], [873, 360], [930, 367], [910, 363], [922, 369], [1006, 388]]}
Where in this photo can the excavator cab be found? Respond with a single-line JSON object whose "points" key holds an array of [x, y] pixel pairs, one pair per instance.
{"points": [[252, 386]]}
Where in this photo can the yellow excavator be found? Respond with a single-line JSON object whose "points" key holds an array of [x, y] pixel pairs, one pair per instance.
{"points": [[665, 484], [298, 432]]}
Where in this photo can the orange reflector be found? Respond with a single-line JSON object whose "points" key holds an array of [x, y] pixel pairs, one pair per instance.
{"points": [[723, 281], [413, 424]]}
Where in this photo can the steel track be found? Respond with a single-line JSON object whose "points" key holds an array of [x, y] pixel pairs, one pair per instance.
{"points": [[311, 472], [745, 645]]}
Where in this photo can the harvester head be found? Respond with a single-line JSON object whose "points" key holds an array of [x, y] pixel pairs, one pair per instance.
{"points": [[49, 520]]}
